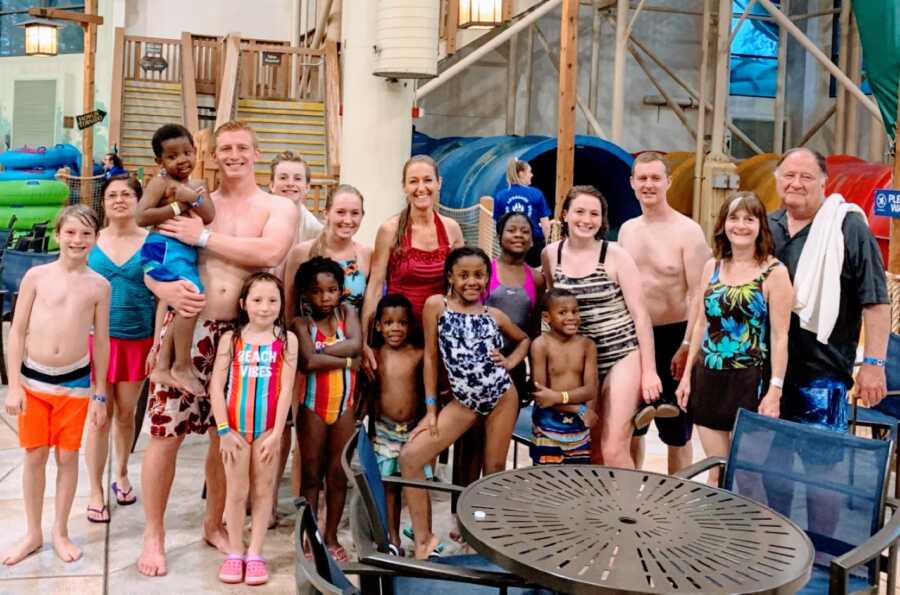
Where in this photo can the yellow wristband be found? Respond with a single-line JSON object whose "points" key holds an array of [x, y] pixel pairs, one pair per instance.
{"points": [[222, 425], [349, 362], [565, 397], [175, 208]]}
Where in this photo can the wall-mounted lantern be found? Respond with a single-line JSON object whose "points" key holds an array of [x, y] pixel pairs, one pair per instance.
{"points": [[40, 37], [480, 14]]}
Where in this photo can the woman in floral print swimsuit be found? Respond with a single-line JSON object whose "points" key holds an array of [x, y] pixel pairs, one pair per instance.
{"points": [[748, 296]]}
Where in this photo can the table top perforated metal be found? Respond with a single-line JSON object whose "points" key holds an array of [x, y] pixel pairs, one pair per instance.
{"points": [[593, 529]]}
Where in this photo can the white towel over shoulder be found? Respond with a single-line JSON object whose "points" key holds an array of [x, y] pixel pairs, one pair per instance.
{"points": [[817, 282]]}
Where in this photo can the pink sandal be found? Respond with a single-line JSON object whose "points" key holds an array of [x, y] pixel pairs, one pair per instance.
{"points": [[232, 570], [257, 572]]}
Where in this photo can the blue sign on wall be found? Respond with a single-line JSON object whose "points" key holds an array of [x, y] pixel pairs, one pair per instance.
{"points": [[887, 202]]}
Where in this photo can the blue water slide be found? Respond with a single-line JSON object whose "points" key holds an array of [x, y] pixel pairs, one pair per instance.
{"points": [[476, 167]]}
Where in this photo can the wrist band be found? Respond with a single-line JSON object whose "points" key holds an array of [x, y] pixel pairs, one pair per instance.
{"points": [[99, 398], [875, 361], [430, 401], [565, 397], [197, 202], [176, 208], [777, 382], [223, 431], [203, 240], [349, 362], [582, 409], [686, 343]]}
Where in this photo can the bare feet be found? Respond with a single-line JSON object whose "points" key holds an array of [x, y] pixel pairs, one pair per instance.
{"points": [[153, 557], [187, 378], [422, 553], [64, 548], [30, 544], [216, 537]]}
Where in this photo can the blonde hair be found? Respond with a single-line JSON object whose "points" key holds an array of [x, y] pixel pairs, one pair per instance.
{"points": [[234, 126], [290, 157], [82, 213], [514, 168], [318, 247]]}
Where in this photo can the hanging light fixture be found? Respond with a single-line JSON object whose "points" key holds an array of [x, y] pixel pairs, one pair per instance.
{"points": [[40, 37], [480, 14]]}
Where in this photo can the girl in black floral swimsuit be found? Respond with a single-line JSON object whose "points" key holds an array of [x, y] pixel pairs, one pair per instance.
{"points": [[468, 337]]}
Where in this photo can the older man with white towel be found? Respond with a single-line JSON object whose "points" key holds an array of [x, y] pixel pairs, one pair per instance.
{"points": [[839, 284]]}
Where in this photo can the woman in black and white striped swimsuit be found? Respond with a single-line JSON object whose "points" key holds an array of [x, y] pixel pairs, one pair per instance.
{"points": [[607, 285]]}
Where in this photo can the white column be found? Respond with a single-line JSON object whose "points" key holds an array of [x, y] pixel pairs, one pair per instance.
{"points": [[376, 124]]}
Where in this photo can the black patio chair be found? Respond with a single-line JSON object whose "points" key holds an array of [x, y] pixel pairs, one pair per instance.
{"points": [[832, 485], [523, 433], [884, 419], [13, 266], [461, 574], [320, 573], [36, 240]]}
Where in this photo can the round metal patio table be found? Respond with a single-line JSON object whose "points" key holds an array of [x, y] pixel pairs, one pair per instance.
{"points": [[593, 529]]}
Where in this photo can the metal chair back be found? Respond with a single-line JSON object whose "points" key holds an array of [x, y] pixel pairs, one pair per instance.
{"points": [[361, 468], [321, 574], [832, 485], [15, 264]]}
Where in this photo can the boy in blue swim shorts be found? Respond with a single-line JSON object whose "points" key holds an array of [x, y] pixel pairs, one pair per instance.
{"points": [[172, 194]]}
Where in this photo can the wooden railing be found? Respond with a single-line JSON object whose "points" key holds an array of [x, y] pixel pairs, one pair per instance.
{"points": [[281, 72], [152, 59], [207, 63]]}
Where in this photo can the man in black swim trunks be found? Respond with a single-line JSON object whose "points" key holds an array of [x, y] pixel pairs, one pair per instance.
{"points": [[670, 251]]}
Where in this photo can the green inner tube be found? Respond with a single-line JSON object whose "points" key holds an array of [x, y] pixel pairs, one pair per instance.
{"points": [[33, 192]]}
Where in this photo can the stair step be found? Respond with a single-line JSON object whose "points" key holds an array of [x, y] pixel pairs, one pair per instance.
{"points": [[280, 112], [294, 122], [159, 86], [151, 99], [314, 131], [289, 141], [278, 149], [317, 106]]}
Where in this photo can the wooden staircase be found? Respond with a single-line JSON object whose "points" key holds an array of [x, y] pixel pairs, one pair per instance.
{"points": [[296, 126], [147, 105]]}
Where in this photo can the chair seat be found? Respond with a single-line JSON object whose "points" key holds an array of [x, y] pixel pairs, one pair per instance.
{"points": [[818, 583], [867, 415], [408, 584], [523, 432]]}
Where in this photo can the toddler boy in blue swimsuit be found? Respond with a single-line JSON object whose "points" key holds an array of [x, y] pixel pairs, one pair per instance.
{"points": [[171, 194]]}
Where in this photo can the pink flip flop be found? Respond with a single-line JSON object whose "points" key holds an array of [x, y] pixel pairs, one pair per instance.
{"points": [[232, 570], [257, 572]]}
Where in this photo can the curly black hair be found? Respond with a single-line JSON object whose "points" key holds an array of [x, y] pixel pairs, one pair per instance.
{"points": [[309, 270], [463, 252]]}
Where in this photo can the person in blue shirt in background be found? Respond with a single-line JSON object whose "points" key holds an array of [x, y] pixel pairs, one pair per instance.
{"points": [[520, 197]]}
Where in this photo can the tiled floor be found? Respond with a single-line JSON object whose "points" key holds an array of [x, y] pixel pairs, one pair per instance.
{"points": [[110, 551]]}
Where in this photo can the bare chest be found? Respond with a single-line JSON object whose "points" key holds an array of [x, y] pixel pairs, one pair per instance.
{"points": [[240, 220]]}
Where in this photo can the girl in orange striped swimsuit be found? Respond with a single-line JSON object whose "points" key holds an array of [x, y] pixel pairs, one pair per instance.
{"points": [[330, 343]]}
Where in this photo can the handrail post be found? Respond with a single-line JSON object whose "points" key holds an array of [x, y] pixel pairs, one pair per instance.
{"points": [[229, 79], [333, 107], [189, 83], [118, 89]]}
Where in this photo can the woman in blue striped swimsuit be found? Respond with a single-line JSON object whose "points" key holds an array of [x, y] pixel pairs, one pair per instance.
{"points": [[607, 285]]}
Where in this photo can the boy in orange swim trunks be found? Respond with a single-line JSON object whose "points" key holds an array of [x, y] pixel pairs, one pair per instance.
{"points": [[50, 374]]}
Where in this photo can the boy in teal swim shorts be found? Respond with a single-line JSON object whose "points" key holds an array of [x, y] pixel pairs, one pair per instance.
{"points": [[172, 194]]}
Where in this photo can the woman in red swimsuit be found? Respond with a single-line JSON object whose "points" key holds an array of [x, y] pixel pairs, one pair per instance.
{"points": [[410, 248]]}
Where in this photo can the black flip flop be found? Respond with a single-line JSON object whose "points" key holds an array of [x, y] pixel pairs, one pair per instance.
{"points": [[98, 511]]}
